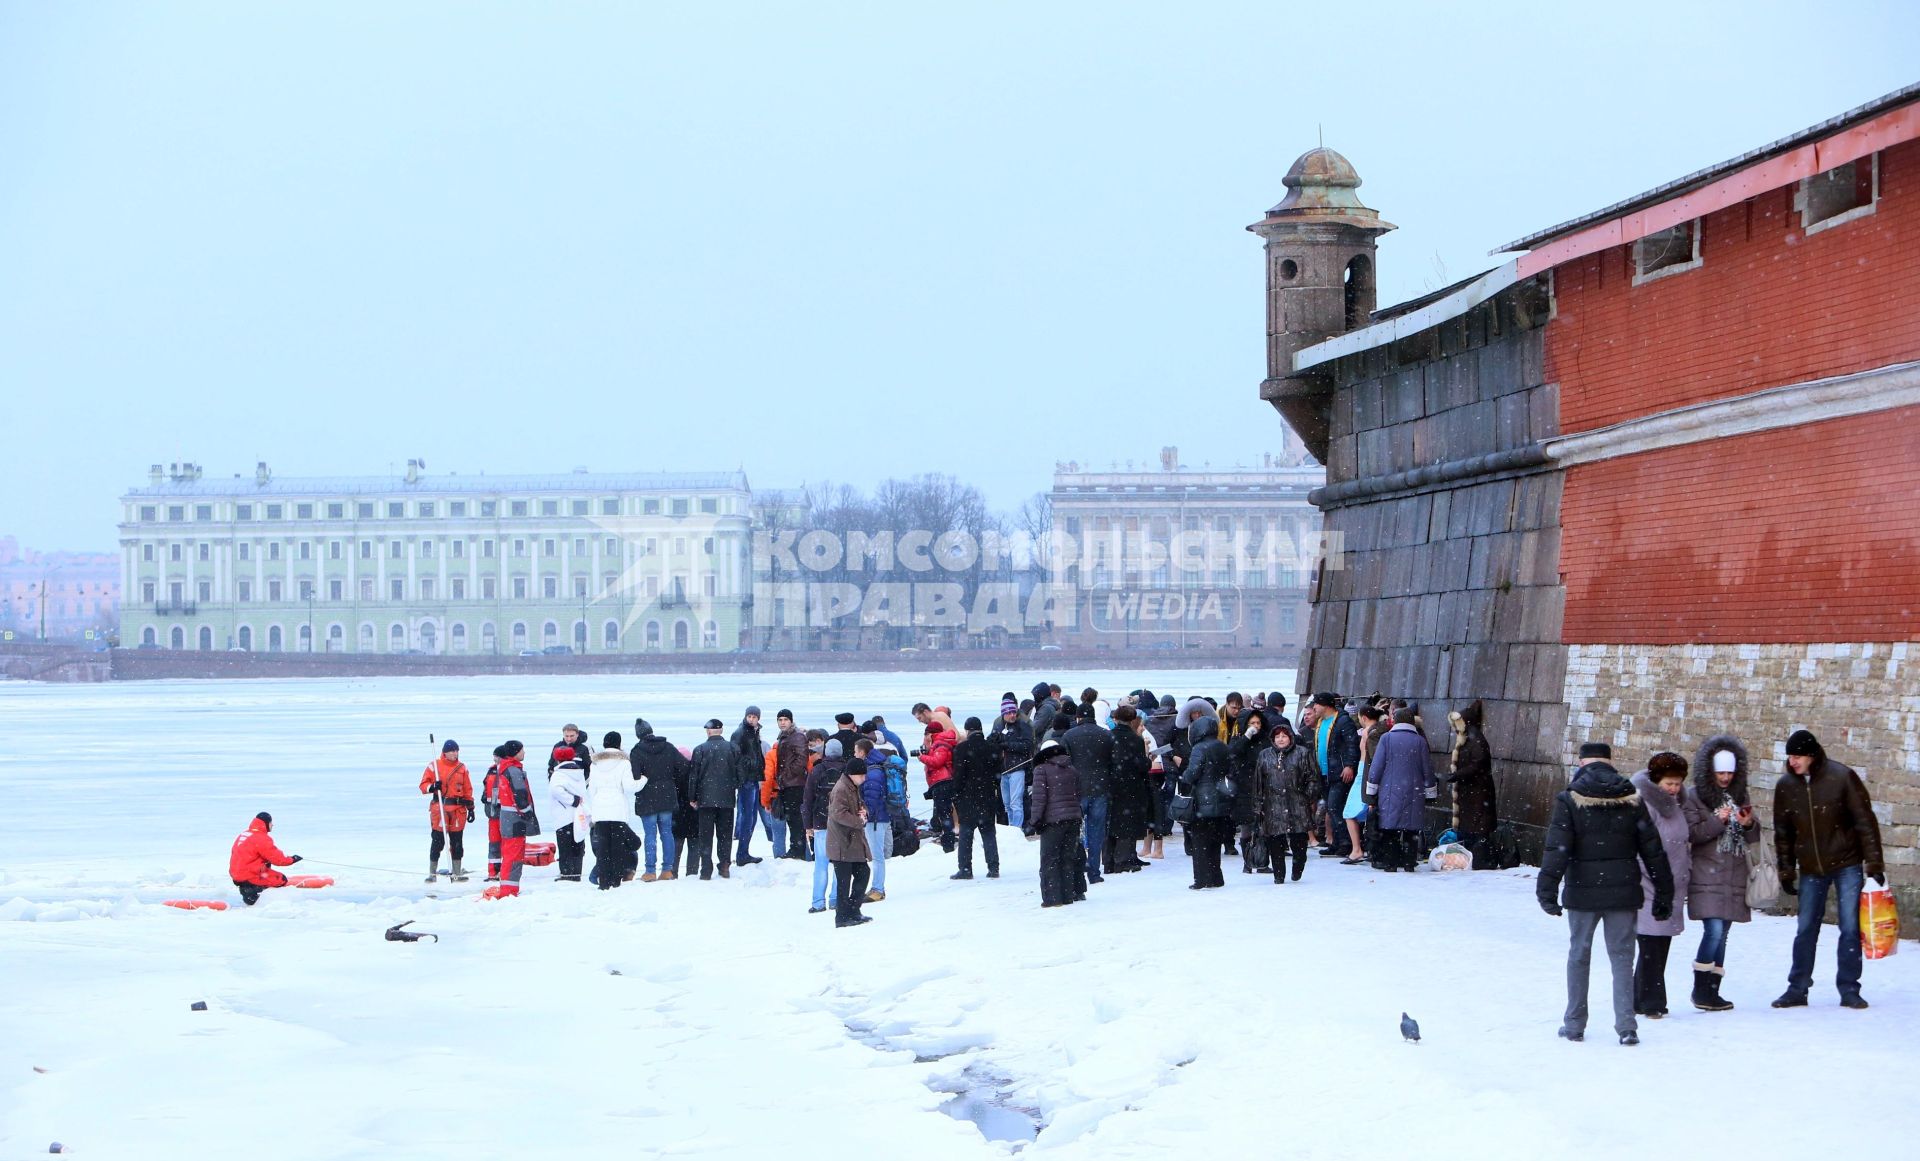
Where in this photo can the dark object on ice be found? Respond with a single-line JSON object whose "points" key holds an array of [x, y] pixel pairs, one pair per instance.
{"points": [[398, 936], [56, 1147], [1629, 1039], [1409, 1028], [199, 1005]]}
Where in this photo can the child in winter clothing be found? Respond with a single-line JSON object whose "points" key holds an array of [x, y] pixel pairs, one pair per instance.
{"points": [[1286, 783]]}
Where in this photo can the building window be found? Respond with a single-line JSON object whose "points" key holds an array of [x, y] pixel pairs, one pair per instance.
{"points": [[274, 591], [1669, 251], [519, 547], [426, 588], [273, 550], [489, 507], [275, 642], [519, 588], [426, 548], [712, 584], [613, 546], [396, 509], [679, 546], [459, 588], [487, 588], [243, 512], [519, 635], [147, 636], [579, 586], [396, 638], [246, 638], [459, 549], [549, 507], [489, 640], [580, 636], [547, 547], [306, 590], [1841, 194], [203, 511], [458, 637], [173, 553], [1287, 618], [550, 587], [147, 591], [398, 588], [610, 635], [206, 590], [457, 508], [336, 511], [148, 513], [146, 552], [486, 549], [176, 512], [680, 635], [609, 507], [366, 589], [608, 582], [680, 507], [579, 507], [709, 505], [579, 546], [650, 507], [364, 510], [306, 550], [336, 590], [333, 549], [275, 512], [246, 591], [397, 549], [426, 509], [303, 511], [709, 636], [336, 639], [519, 507], [653, 634], [366, 550]]}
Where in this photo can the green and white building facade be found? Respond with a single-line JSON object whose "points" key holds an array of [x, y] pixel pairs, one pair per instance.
{"points": [[493, 565]]}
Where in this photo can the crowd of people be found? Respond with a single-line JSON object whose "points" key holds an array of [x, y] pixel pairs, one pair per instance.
{"points": [[1102, 785]]}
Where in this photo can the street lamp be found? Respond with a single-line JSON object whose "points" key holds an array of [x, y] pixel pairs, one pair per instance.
{"points": [[309, 618], [44, 576]]}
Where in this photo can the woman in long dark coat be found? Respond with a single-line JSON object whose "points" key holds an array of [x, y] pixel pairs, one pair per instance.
{"points": [[1399, 785], [1474, 813], [1130, 802], [1243, 756]]}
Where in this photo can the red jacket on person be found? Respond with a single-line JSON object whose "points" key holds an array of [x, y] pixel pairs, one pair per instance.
{"points": [[936, 753], [255, 856]]}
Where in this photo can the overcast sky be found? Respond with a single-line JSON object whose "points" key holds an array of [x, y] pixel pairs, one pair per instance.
{"points": [[817, 241]]}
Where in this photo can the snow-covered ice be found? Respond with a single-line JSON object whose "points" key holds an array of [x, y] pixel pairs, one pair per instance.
{"points": [[720, 1020]]}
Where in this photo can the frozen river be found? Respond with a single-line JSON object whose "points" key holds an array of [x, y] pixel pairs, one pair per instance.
{"points": [[720, 1020]]}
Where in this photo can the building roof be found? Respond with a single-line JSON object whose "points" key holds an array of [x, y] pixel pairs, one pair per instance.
{"points": [[1680, 185], [595, 482]]}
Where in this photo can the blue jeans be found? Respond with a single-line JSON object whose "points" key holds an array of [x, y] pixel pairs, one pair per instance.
{"points": [[880, 842], [776, 830], [825, 893], [746, 813], [658, 828], [1013, 787], [1713, 942], [1093, 816], [1845, 883]]}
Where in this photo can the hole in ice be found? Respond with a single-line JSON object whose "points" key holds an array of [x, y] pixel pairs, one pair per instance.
{"points": [[989, 1113]]}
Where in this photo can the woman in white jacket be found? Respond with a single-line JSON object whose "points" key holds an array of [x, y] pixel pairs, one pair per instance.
{"points": [[567, 782], [610, 791]]}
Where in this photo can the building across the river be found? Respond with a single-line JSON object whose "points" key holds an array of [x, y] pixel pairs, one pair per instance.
{"points": [[57, 596], [587, 562]]}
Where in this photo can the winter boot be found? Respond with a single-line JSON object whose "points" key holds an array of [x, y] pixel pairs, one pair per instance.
{"points": [[725, 873], [459, 874], [433, 873], [1299, 865], [1706, 989]]}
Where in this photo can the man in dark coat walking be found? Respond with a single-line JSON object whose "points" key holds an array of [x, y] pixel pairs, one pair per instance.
{"points": [[1090, 747], [1599, 837], [976, 784], [1826, 837]]}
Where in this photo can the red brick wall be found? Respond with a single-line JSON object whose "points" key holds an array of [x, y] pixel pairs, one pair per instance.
{"points": [[1769, 305], [1797, 535]]}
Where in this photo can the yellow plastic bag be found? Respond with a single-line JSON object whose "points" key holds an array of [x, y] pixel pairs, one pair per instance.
{"points": [[1879, 923]]}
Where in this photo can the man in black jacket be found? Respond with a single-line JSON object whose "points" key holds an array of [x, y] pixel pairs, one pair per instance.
{"points": [[1598, 838], [750, 768], [662, 773], [1090, 747], [1342, 761], [711, 786], [1826, 837]]}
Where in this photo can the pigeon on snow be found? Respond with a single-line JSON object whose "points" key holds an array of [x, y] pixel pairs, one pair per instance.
{"points": [[1409, 1029]]}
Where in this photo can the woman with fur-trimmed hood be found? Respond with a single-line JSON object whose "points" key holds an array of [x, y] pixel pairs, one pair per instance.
{"points": [[1721, 826], [1474, 809]]}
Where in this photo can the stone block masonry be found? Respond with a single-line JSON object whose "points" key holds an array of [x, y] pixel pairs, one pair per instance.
{"points": [[1862, 700]]}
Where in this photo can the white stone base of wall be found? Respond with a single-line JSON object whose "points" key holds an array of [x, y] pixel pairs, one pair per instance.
{"points": [[1862, 700]]}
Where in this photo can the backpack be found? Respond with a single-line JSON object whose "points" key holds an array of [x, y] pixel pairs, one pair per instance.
{"points": [[906, 837], [896, 787]]}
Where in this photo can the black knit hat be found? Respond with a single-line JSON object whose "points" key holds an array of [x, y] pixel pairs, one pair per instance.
{"points": [[263, 816], [1326, 699], [843, 718], [511, 749], [1596, 750], [642, 729], [1802, 744], [611, 741], [785, 713]]}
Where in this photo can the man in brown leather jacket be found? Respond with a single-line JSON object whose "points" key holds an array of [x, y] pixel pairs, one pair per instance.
{"points": [[1824, 832]]}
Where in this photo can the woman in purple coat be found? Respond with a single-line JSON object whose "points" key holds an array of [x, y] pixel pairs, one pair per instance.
{"points": [[1400, 783]]}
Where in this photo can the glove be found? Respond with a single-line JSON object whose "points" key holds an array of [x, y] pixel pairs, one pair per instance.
{"points": [[437, 789], [292, 859], [1662, 913], [1878, 875], [1787, 884], [1550, 907]]}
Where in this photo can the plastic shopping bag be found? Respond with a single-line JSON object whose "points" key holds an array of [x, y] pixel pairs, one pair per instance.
{"points": [[1879, 923], [1450, 857]]}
